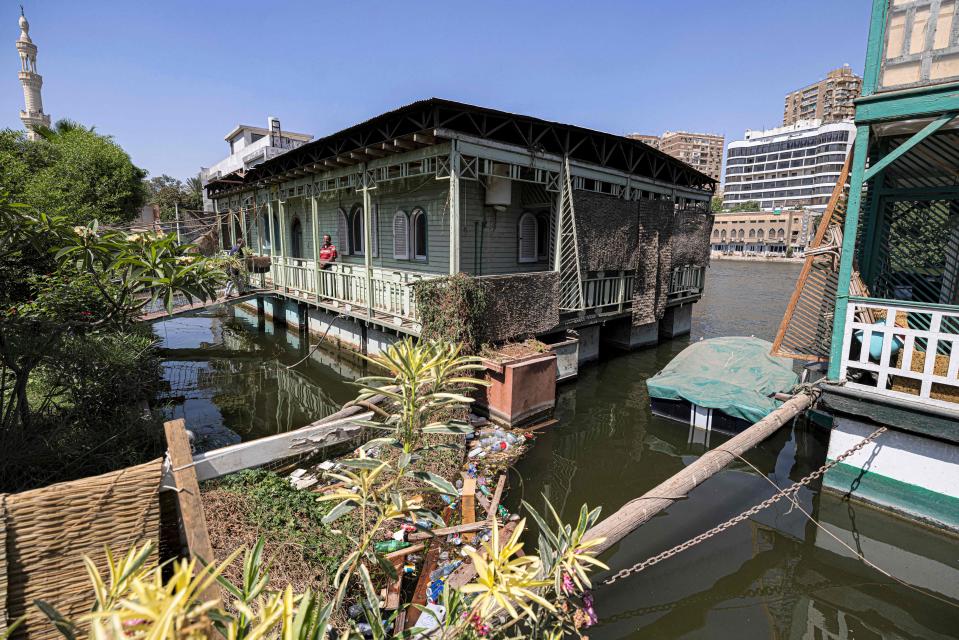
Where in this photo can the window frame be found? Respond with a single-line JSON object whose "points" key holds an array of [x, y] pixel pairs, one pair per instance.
{"points": [[356, 217], [520, 257], [406, 232], [412, 235]]}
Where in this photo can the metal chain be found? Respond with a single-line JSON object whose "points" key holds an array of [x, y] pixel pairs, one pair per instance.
{"points": [[745, 515]]}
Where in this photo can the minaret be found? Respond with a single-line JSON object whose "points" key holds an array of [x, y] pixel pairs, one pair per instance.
{"points": [[33, 116]]}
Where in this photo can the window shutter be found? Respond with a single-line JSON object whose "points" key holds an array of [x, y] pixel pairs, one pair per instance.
{"points": [[342, 233], [401, 236], [375, 231], [527, 238]]}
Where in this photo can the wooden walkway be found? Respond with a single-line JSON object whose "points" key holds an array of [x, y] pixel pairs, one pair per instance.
{"points": [[179, 310]]}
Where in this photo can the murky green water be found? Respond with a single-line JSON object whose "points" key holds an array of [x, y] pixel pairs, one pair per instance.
{"points": [[776, 576]]}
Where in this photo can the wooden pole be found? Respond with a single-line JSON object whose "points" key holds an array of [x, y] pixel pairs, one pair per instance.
{"points": [[468, 505], [640, 510]]}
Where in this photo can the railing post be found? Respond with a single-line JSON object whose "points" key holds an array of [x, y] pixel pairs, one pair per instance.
{"points": [[454, 208], [272, 227], [282, 230], [367, 241], [314, 229]]}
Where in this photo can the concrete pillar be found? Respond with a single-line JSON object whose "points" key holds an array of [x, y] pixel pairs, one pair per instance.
{"points": [[622, 334], [588, 343], [677, 321]]}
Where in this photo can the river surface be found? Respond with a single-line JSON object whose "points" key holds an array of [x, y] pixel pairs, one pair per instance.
{"points": [[775, 576]]}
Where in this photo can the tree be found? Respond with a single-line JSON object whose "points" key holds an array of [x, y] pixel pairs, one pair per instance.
{"points": [[749, 205], [71, 171], [75, 290], [716, 204], [169, 192]]}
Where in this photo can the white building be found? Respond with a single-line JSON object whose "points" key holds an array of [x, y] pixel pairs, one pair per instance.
{"points": [[249, 146], [32, 115], [789, 167]]}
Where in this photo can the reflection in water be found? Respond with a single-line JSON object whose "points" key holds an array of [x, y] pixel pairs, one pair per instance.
{"points": [[777, 576], [224, 371]]}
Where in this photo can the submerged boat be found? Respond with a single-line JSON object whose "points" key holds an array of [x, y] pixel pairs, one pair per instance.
{"points": [[726, 384]]}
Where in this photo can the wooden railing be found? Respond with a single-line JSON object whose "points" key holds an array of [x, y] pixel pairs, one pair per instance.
{"points": [[686, 281], [347, 285], [608, 293], [902, 350]]}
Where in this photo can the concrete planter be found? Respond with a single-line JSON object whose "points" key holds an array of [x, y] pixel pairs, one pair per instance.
{"points": [[520, 389], [566, 348]]}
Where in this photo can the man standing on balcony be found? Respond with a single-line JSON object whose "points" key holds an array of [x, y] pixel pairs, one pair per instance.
{"points": [[327, 253]]}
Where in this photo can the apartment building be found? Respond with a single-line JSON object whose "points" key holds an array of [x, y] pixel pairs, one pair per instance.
{"points": [[702, 151], [829, 100], [761, 233], [789, 167]]}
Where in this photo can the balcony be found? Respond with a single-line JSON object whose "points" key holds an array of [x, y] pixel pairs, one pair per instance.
{"points": [[346, 288], [685, 282], [902, 350]]}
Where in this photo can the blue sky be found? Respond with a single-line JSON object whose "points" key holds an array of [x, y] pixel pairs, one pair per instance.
{"points": [[168, 79]]}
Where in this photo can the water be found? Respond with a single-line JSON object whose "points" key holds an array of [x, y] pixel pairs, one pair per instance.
{"points": [[776, 576], [229, 377]]}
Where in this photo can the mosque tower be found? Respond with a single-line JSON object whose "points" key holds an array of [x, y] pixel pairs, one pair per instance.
{"points": [[33, 116]]}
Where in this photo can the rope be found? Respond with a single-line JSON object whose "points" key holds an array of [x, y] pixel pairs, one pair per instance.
{"points": [[319, 342], [745, 515]]}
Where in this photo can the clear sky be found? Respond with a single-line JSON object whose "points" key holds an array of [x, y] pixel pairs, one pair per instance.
{"points": [[169, 78]]}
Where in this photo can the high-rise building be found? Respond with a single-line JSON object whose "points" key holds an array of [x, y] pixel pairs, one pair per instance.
{"points": [[33, 115], [829, 100], [789, 167], [702, 151], [653, 141]]}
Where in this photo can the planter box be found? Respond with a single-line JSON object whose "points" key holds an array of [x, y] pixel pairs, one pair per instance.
{"points": [[566, 348], [520, 389]]}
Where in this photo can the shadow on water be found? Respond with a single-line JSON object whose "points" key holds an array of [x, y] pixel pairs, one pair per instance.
{"points": [[775, 576]]}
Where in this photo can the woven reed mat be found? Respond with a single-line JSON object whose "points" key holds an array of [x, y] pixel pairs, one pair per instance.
{"points": [[48, 530]]}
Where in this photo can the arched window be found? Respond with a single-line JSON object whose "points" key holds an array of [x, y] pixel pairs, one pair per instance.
{"points": [[527, 238], [782, 233], [742, 234], [752, 233], [760, 235], [772, 234], [715, 233], [542, 236], [401, 236], [419, 229], [296, 238], [276, 233], [722, 234], [342, 233], [357, 236]]}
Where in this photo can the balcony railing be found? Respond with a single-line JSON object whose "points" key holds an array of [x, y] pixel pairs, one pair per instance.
{"points": [[902, 350], [686, 281], [608, 293], [346, 286]]}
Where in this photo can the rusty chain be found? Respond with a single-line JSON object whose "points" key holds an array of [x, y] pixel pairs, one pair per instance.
{"points": [[745, 515]]}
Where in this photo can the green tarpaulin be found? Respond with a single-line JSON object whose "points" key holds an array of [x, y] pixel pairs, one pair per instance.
{"points": [[735, 375]]}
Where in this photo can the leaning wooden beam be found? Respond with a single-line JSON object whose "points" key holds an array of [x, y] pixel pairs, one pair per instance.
{"points": [[640, 510], [255, 453], [460, 528]]}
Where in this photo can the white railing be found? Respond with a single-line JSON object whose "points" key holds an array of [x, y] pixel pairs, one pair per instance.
{"points": [[902, 350], [606, 293], [347, 285], [685, 281]]}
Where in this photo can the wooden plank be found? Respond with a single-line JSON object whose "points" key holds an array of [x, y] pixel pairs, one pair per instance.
{"points": [[460, 528], [245, 455], [394, 588], [402, 553], [189, 503], [497, 496], [422, 585], [468, 504]]}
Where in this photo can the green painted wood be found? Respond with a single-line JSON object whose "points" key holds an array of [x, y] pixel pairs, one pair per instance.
{"points": [[935, 306], [916, 138], [874, 47], [918, 421], [871, 226], [897, 105], [893, 494], [860, 151]]}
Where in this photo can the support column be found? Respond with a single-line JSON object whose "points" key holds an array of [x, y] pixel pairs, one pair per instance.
{"points": [[860, 151], [454, 208], [314, 229], [368, 241], [272, 235], [259, 236], [231, 221]]}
